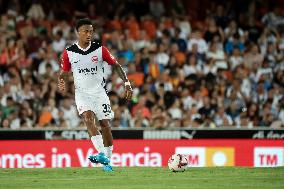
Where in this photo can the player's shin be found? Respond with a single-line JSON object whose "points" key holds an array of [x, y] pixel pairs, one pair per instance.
{"points": [[108, 151], [97, 141], [108, 140]]}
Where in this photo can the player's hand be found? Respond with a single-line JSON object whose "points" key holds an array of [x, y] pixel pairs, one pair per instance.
{"points": [[128, 92], [61, 85]]}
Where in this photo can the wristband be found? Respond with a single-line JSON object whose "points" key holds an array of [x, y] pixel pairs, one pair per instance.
{"points": [[127, 83]]}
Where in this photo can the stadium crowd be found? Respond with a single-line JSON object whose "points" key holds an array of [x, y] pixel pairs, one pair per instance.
{"points": [[192, 64]]}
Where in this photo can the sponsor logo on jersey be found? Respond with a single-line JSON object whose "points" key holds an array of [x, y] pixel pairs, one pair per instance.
{"points": [[88, 71]]}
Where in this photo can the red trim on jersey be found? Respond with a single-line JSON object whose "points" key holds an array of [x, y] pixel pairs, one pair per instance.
{"points": [[107, 56], [65, 63]]}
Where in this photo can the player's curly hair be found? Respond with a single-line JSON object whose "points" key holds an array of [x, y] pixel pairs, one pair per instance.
{"points": [[81, 22]]}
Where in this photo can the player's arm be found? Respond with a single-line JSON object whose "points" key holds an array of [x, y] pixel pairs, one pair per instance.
{"points": [[128, 89], [64, 71], [117, 67]]}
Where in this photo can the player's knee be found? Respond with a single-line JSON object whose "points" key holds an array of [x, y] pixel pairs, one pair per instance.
{"points": [[88, 119]]}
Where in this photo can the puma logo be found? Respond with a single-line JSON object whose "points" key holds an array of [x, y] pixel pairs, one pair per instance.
{"points": [[76, 61]]}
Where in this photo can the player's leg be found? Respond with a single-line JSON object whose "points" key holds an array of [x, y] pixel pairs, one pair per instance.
{"points": [[96, 138], [87, 111], [95, 135], [104, 115], [107, 137]]}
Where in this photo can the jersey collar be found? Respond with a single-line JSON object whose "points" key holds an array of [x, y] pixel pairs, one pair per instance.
{"points": [[87, 48]]}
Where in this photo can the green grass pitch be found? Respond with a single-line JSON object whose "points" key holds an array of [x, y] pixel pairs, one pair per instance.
{"points": [[138, 177]]}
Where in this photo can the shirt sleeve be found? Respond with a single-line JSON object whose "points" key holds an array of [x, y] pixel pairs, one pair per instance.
{"points": [[65, 63], [107, 56]]}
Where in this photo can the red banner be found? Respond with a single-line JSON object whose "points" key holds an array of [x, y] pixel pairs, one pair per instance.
{"points": [[200, 153]]}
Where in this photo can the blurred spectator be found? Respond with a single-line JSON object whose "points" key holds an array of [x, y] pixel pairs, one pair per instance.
{"points": [[212, 68], [192, 118], [70, 113], [162, 58], [281, 112], [233, 30], [26, 115], [61, 120], [191, 67], [159, 117], [213, 30], [49, 63], [26, 93], [222, 119], [236, 58], [62, 26], [36, 11], [142, 108], [45, 117], [207, 110], [253, 57], [157, 8], [175, 111], [178, 54], [59, 43], [273, 19], [197, 39], [217, 57], [234, 43]]}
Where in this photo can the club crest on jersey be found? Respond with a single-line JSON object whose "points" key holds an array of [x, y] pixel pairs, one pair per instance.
{"points": [[95, 59]]}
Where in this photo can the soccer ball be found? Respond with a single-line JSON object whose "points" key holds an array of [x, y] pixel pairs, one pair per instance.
{"points": [[177, 163]]}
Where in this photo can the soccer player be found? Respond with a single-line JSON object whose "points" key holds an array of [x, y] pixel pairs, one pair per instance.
{"points": [[87, 60]]}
